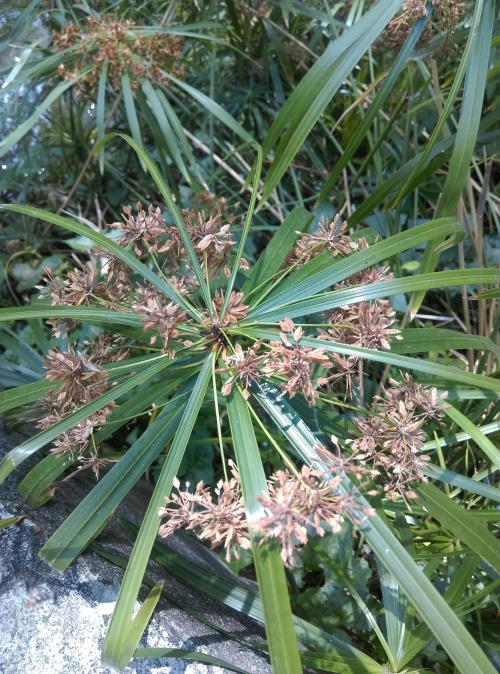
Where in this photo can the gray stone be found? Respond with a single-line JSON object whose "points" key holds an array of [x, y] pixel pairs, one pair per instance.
{"points": [[52, 623]]}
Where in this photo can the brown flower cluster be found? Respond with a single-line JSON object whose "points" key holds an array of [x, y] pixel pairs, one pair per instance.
{"points": [[331, 237], [164, 317], [446, 14], [366, 324], [286, 359], [296, 508], [148, 233], [221, 522], [124, 47], [79, 380], [392, 436]]}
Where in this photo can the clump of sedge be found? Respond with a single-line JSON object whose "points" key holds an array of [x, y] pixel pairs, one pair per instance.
{"points": [[126, 50]]}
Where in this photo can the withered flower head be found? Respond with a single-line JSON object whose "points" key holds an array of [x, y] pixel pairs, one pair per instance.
{"points": [[446, 14], [124, 47], [295, 362], [300, 506], [235, 310], [330, 237], [164, 317], [143, 229], [247, 364], [392, 437], [81, 380], [221, 521]]}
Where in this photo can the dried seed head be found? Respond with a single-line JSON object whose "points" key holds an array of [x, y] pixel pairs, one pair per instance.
{"points": [[295, 363], [144, 230], [81, 379], [330, 237], [164, 317], [392, 437], [246, 364], [299, 507], [124, 47], [221, 521]]}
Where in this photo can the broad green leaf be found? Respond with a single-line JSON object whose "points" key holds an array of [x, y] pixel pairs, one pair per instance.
{"points": [[118, 641], [431, 606], [285, 658], [461, 523]]}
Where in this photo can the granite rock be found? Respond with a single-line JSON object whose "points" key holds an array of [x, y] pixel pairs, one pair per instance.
{"points": [[53, 623]]}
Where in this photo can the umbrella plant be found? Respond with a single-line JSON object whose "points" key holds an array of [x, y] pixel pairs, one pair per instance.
{"points": [[295, 363], [187, 322]]}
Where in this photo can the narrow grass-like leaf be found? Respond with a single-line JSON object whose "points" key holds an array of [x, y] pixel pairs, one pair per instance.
{"points": [[314, 92], [117, 644], [92, 513], [84, 314], [20, 395], [277, 249], [20, 453], [101, 109], [26, 126], [461, 482], [421, 340], [243, 600], [395, 286], [461, 523], [318, 275], [105, 244], [280, 632], [180, 654], [214, 109], [417, 364], [433, 609], [9, 521], [468, 125], [172, 206], [169, 138], [37, 487], [361, 129], [132, 118], [484, 443]]}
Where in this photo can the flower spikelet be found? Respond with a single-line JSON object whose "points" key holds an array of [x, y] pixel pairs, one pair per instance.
{"points": [[301, 506]]}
